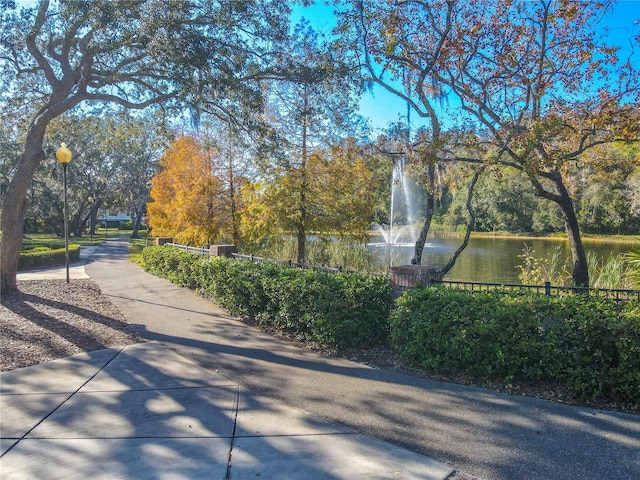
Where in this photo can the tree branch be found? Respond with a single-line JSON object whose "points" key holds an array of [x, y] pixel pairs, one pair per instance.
{"points": [[33, 48], [470, 224]]}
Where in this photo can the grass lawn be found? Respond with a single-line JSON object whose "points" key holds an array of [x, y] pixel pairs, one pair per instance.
{"points": [[50, 240], [136, 245]]}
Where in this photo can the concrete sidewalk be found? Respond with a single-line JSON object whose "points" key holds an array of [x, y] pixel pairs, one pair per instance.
{"points": [[480, 433], [145, 412], [76, 269]]}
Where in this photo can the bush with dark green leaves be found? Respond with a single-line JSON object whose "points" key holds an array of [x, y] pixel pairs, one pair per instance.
{"points": [[340, 310], [343, 310], [46, 257], [589, 344], [175, 265], [237, 285]]}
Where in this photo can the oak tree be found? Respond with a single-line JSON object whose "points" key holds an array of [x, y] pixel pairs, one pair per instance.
{"points": [[397, 45], [56, 56], [533, 84]]}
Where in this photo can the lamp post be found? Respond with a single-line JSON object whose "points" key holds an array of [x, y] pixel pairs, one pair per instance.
{"points": [[90, 200], [63, 154]]}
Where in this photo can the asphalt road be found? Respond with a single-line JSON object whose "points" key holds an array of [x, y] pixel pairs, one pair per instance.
{"points": [[480, 433]]}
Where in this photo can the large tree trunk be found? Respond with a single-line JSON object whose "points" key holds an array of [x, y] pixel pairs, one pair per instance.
{"points": [[77, 223], [302, 241], [302, 212], [580, 271], [302, 224], [424, 231], [136, 222], [82, 225], [13, 207], [235, 217], [93, 215]]}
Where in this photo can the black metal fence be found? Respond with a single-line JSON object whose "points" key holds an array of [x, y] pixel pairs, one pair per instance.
{"points": [[546, 289]]}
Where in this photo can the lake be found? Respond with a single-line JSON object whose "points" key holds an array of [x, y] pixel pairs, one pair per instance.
{"points": [[488, 259]]}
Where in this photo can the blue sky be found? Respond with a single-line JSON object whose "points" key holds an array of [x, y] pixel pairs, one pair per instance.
{"points": [[382, 107]]}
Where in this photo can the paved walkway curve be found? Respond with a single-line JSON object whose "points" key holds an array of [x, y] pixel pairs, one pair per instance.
{"points": [[481, 433]]}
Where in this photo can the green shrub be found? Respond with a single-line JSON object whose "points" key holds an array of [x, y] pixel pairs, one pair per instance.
{"points": [[298, 303], [581, 341], [624, 378], [338, 310], [48, 243], [368, 306], [175, 265], [341, 310], [236, 285], [45, 257]]}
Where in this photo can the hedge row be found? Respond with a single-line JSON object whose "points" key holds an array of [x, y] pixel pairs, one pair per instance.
{"points": [[583, 342], [44, 256], [342, 310]]}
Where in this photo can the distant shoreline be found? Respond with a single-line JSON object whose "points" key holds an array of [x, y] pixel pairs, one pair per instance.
{"points": [[587, 238]]}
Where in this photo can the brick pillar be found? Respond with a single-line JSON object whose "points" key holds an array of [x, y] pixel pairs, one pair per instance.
{"points": [[221, 250], [162, 240], [406, 277]]}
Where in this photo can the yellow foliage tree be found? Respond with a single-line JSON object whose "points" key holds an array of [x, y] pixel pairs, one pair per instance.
{"points": [[345, 190], [188, 202], [333, 196]]}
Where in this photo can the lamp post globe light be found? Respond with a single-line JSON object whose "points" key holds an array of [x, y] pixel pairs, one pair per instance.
{"points": [[63, 154]]}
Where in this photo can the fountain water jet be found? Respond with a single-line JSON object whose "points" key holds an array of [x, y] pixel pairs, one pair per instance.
{"points": [[402, 207]]}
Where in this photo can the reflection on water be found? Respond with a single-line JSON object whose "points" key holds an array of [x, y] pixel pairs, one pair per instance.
{"points": [[492, 260]]}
